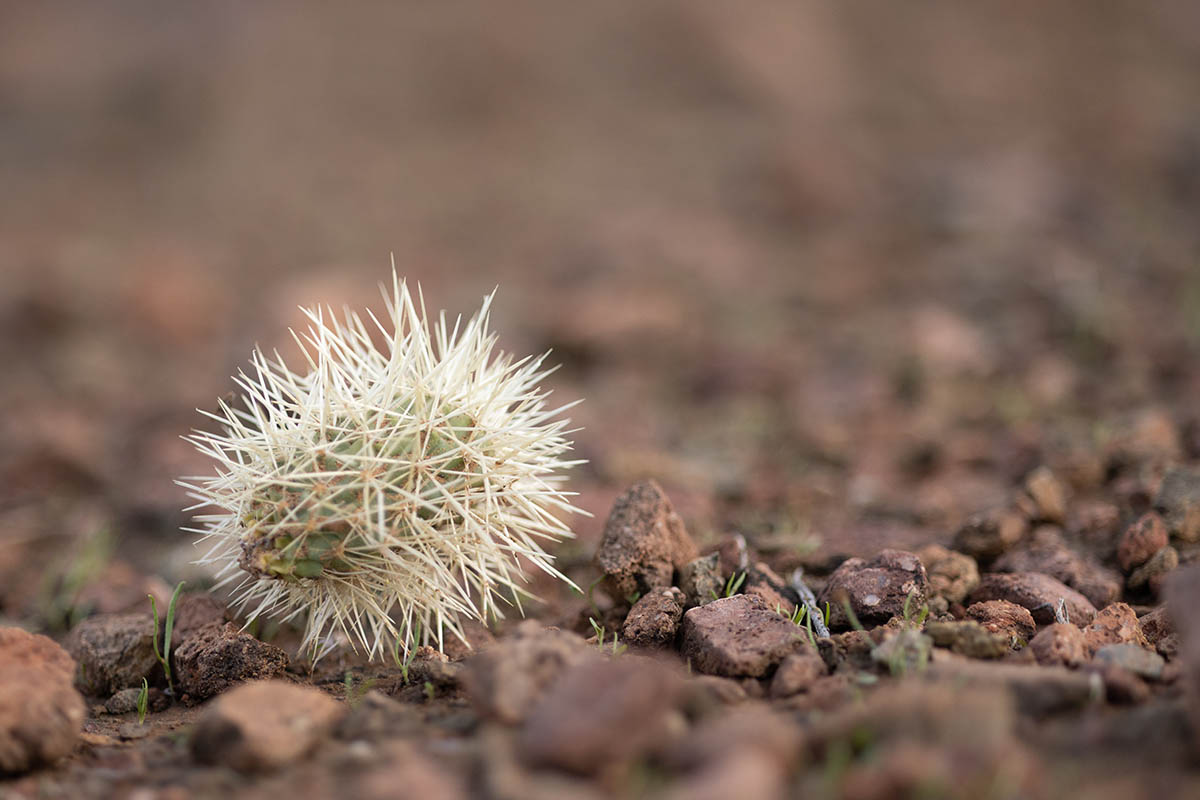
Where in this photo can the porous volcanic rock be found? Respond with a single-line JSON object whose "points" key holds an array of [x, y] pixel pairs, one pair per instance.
{"points": [[1003, 616], [114, 651], [216, 657], [1060, 644], [952, 575], [1036, 592], [877, 589], [1114, 624], [654, 619], [644, 542]]}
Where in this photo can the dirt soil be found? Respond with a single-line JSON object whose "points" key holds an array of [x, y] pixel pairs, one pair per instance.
{"points": [[896, 304]]}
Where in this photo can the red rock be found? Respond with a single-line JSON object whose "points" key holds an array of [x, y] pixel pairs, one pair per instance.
{"points": [[1059, 644], [1048, 554], [738, 637], [877, 590], [1141, 540], [1002, 616], [217, 657], [644, 542], [41, 714], [797, 673], [507, 679], [264, 725], [1114, 624], [1036, 592], [1156, 625], [654, 619], [600, 713]]}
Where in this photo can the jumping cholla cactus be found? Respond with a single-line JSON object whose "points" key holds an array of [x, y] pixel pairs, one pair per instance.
{"points": [[387, 492]]}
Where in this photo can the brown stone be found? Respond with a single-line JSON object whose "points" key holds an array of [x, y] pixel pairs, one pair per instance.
{"points": [[1155, 572], [989, 534], [1178, 501], [1002, 616], [1060, 644], [968, 638], [1183, 598], [41, 713], [194, 611], [654, 619], [1048, 554], [1048, 496], [114, 651], [1141, 540], [700, 580], [600, 713], [1114, 624], [1156, 625], [216, 657], [1038, 593], [738, 636], [877, 590], [952, 575], [797, 672], [506, 680], [264, 725], [644, 542]]}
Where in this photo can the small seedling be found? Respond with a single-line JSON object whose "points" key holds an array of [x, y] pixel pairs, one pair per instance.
{"points": [[355, 693], [407, 660], [164, 656], [602, 633], [429, 691], [732, 586], [143, 701], [921, 615]]}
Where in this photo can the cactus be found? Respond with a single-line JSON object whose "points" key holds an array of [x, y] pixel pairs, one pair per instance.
{"points": [[387, 492]]}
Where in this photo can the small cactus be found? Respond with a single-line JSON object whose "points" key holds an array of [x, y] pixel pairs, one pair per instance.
{"points": [[387, 493]]}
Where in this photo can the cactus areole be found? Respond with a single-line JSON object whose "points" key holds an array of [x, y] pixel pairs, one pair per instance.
{"points": [[384, 492]]}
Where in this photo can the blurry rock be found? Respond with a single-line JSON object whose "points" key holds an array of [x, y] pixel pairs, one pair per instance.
{"points": [[1121, 686], [401, 771], [1155, 572], [644, 542], [1004, 617], [41, 714], [738, 636], [968, 638], [1049, 555], [264, 725], [1114, 624], [1141, 540], [507, 679], [703, 693], [1131, 657], [126, 700], [747, 752], [1045, 497], [1156, 625], [1038, 690], [375, 716], [951, 575], [1038, 593], [700, 580], [600, 713], [848, 651], [797, 672], [1060, 644], [987, 535], [114, 651], [1183, 598], [654, 619], [903, 652], [194, 611], [877, 590], [1149, 439], [1178, 501], [216, 657], [1095, 523]]}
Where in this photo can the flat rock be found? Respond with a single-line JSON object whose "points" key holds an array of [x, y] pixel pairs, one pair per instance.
{"points": [[738, 636], [1002, 616], [644, 542], [1141, 540], [654, 619], [216, 657], [41, 713], [1050, 556], [877, 590], [797, 673], [1060, 644], [1138, 660], [264, 725], [114, 651], [1178, 501], [1114, 624], [600, 713], [506, 680], [952, 575], [1036, 592]]}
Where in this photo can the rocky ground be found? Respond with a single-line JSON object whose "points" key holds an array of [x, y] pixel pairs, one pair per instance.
{"points": [[887, 319]]}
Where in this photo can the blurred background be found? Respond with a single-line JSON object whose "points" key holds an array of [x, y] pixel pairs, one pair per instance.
{"points": [[835, 274]]}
